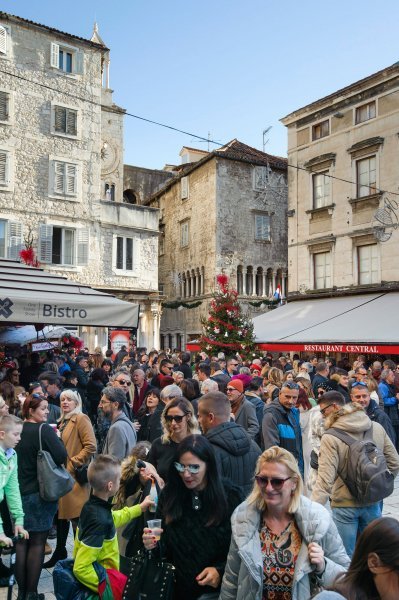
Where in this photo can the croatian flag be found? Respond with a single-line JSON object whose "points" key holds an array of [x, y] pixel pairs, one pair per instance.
{"points": [[277, 294]]}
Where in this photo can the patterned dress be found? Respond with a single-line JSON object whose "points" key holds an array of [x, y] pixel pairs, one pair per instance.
{"points": [[280, 552]]}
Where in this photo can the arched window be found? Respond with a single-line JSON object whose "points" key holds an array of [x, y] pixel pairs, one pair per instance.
{"points": [[239, 280], [130, 197], [109, 190]]}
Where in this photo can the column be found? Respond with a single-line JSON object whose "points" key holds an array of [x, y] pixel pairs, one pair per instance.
{"points": [[284, 284], [244, 282], [274, 276], [264, 282], [254, 282], [156, 320]]}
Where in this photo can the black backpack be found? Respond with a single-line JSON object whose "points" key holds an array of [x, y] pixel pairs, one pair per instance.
{"points": [[365, 472]]}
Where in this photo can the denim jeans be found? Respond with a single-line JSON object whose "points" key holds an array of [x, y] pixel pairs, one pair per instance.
{"points": [[351, 521]]}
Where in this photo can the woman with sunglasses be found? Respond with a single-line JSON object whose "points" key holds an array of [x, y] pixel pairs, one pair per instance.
{"points": [[283, 545], [374, 569], [195, 508], [178, 421]]}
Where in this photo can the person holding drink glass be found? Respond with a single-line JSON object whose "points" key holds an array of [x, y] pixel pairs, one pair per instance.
{"points": [[195, 507]]}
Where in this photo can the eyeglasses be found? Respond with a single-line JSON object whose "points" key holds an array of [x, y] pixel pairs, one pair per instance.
{"points": [[124, 382], [231, 390], [357, 383], [176, 419], [276, 482], [193, 469], [322, 410]]}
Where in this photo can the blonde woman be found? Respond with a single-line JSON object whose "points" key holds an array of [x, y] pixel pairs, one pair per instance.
{"points": [[282, 543], [178, 421], [77, 433], [273, 384]]}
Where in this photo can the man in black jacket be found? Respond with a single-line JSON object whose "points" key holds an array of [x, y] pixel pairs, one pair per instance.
{"points": [[361, 395], [236, 454]]}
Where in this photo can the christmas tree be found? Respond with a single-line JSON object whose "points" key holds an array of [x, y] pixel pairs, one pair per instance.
{"points": [[227, 329]]}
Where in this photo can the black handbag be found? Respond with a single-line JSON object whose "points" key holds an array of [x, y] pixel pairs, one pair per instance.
{"points": [[149, 577], [81, 474], [54, 480]]}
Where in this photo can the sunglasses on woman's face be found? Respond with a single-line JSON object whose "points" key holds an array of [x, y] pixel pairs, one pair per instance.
{"points": [[124, 382], [175, 418], [193, 469], [275, 482]]}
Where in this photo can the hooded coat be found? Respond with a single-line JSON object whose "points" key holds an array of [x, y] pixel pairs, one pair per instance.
{"points": [[236, 454], [243, 576], [352, 419]]}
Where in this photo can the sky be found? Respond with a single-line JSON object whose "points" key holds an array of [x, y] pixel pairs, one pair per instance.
{"points": [[227, 68]]}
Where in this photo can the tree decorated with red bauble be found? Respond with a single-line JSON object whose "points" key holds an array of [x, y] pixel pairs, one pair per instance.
{"points": [[227, 329]]}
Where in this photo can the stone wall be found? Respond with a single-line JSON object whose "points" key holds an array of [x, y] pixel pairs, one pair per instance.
{"points": [[143, 182]]}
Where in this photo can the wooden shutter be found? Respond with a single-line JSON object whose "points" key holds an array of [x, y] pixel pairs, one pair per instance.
{"points": [[136, 254], [4, 106], [3, 167], [3, 40], [71, 121], [59, 177], [184, 188], [78, 59], [55, 55], [60, 119], [15, 239], [82, 246], [45, 249], [71, 176]]}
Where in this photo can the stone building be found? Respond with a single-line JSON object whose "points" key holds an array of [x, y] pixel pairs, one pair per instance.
{"points": [[343, 186], [61, 169], [140, 183], [225, 211]]}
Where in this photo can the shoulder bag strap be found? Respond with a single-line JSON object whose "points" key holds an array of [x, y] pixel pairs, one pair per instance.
{"points": [[40, 437], [341, 435]]}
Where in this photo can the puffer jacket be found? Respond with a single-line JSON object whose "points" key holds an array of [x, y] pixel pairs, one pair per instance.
{"points": [[236, 454], [243, 576], [352, 419], [281, 427]]}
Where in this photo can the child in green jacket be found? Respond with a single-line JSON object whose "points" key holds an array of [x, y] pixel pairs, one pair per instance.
{"points": [[10, 434], [96, 539]]}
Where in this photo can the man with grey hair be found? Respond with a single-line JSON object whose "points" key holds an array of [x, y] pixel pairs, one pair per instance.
{"points": [[169, 392], [121, 436]]}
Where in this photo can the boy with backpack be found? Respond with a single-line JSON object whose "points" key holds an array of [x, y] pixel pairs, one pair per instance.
{"points": [[356, 468], [96, 551]]}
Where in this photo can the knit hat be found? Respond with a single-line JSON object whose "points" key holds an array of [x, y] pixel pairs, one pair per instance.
{"points": [[255, 367], [237, 384], [246, 379]]}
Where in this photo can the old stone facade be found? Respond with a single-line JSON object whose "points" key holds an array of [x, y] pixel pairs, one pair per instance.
{"points": [[61, 169], [342, 189], [226, 212], [140, 183]]}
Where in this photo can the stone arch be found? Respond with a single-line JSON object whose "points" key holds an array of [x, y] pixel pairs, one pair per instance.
{"points": [[130, 197], [240, 288], [259, 281]]}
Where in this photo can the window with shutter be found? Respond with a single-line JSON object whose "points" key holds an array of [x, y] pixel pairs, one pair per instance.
{"points": [[15, 239], [65, 120], [71, 122], [3, 40], [4, 106], [262, 227], [127, 252], [184, 188], [4, 159], [66, 58], [45, 243], [55, 56], [3, 239], [82, 247], [64, 178]]}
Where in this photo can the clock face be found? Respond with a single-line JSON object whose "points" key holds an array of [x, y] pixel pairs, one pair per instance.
{"points": [[109, 157]]}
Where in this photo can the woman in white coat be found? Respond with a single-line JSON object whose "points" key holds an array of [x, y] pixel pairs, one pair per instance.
{"points": [[283, 545]]}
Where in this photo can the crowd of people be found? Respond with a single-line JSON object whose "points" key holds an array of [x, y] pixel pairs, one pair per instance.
{"points": [[249, 464]]}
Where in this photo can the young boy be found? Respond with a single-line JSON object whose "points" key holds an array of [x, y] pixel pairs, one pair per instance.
{"points": [[10, 434], [96, 539]]}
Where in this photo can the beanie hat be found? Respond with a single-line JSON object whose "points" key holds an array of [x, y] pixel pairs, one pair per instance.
{"points": [[237, 384], [246, 379], [255, 367]]}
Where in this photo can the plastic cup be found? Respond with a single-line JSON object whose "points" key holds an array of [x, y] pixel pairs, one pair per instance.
{"points": [[155, 525], [54, 426]]}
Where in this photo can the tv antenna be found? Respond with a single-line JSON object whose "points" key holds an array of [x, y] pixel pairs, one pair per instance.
{"points": [[265, 132], [209, 141]]}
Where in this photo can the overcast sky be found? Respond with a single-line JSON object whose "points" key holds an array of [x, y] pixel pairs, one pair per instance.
{"points": [[232, 68]]}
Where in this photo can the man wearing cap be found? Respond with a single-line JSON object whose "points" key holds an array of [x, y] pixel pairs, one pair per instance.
{"points": [[242, 411], [280, 426]]}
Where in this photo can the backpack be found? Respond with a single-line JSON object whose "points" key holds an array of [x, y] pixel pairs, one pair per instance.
{"points": [[367, 476]]}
